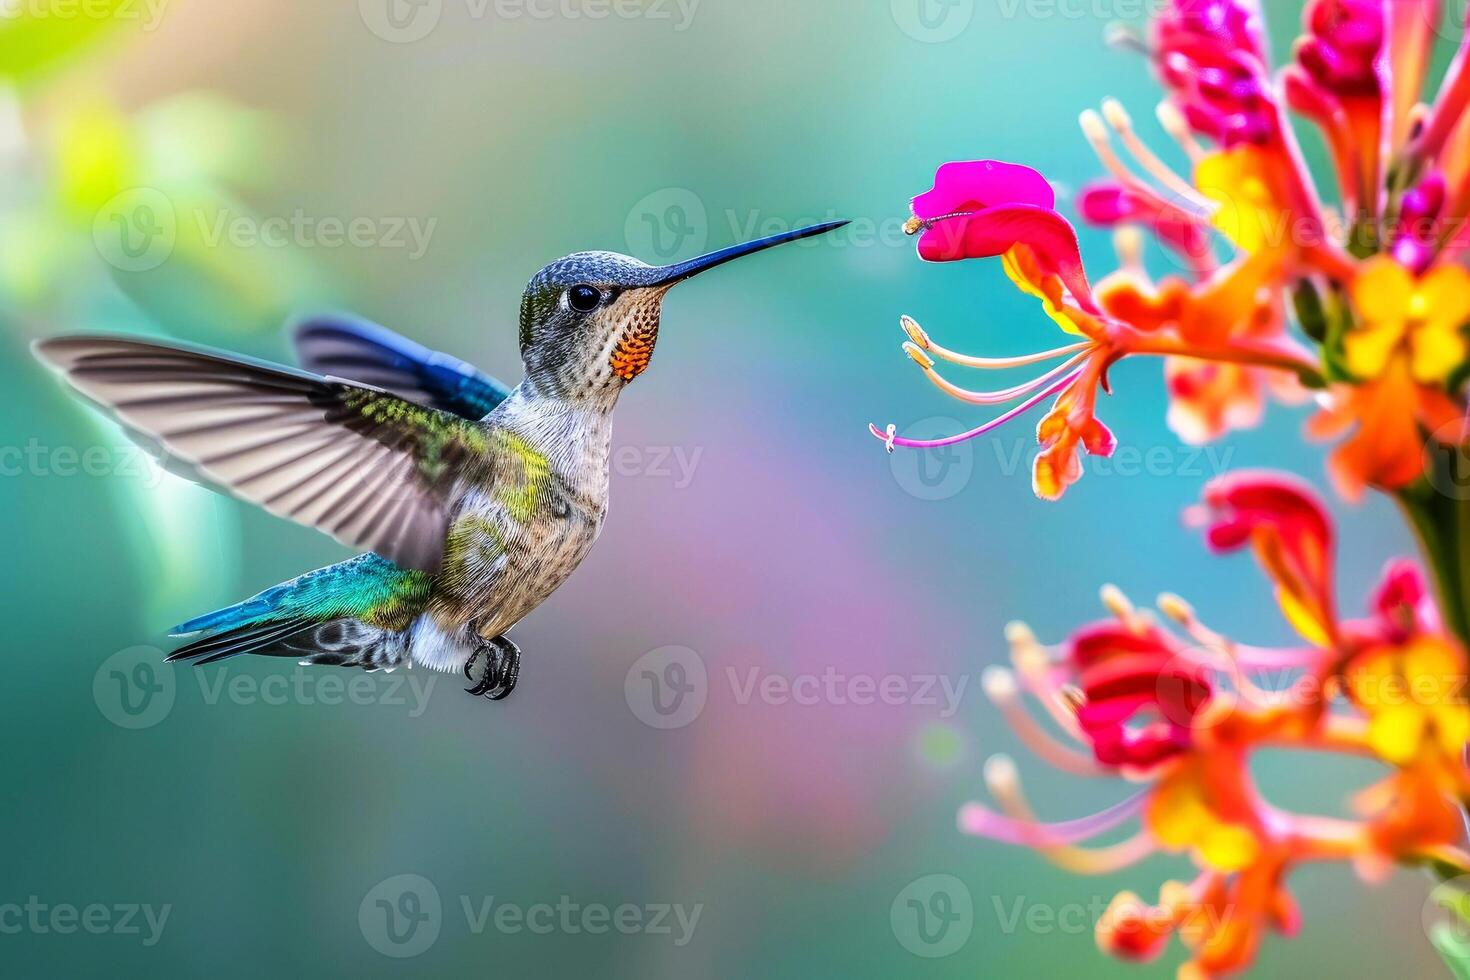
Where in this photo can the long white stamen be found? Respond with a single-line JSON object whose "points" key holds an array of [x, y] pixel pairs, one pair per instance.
{"points": [[1096, 132], [1177, 127], [922, 340], [1118, 118], [988, 397]]}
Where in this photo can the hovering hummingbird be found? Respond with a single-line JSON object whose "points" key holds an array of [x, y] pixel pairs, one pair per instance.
{"points": [[475, 502]]}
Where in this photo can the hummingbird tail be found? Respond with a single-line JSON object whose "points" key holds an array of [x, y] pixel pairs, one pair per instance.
{"points": [[351, 614]]}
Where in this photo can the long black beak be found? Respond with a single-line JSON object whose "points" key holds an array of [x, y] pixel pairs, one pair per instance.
{"points": [[678, 272]]}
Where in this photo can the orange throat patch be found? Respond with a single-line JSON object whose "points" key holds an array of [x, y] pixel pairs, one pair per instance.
{"points": [[634, 349]]}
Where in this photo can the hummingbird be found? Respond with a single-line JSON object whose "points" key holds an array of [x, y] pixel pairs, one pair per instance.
{"points": [[472, 501]]}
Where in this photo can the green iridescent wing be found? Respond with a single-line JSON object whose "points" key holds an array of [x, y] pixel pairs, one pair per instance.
{"points": [[369, 468]]}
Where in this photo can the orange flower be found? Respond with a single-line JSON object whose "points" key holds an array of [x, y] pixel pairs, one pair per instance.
{"points": [[1409, 339], [1183, 717]]}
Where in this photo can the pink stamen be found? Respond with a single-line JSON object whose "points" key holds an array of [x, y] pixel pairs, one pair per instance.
{"points": [[891, 439], [980, 820]]}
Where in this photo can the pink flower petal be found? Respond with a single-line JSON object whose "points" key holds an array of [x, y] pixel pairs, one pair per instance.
{"points": [[978, 184]]}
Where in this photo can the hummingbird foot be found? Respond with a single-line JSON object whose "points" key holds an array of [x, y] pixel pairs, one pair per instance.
{"points": [[502, 670]]}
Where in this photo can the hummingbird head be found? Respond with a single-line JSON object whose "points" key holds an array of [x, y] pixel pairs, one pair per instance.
{"points": [[589, 322]]}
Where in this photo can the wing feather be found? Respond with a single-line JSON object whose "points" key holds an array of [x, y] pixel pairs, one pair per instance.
{"points": [[370, 468], [348, 347]]}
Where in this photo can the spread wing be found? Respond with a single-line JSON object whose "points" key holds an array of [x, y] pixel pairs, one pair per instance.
{"points": [[369, 468], [347, 347]]}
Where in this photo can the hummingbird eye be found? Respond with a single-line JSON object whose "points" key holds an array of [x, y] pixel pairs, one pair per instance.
{"points": [[584, 298]]}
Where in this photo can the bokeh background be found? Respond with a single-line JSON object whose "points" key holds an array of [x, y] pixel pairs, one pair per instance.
{"points": [[203, 169]]}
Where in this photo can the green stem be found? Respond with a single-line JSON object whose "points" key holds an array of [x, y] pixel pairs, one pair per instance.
{"points": [[1438, 509]]}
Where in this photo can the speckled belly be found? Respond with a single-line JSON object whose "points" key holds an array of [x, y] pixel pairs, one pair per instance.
{"points": [[498, 567]]}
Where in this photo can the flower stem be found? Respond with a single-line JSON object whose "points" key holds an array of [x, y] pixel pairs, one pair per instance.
{"points": [[1438, 509]]}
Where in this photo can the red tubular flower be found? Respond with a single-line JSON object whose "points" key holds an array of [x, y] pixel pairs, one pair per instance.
{"points": [[1281, 519], [987, 208], [1141, 692], [1212, 56], [1110, 203], [1152, 707], [1340, 85]]}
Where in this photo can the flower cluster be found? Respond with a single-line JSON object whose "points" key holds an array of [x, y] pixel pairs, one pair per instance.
{"points": [[1361, 305], [1277, 293], [1167, 702]]}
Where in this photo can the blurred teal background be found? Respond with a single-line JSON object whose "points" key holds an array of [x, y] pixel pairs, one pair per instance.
{"points": [[754, 521]]}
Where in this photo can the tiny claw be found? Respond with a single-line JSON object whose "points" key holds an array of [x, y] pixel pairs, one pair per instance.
{"points": [[502, 670]]}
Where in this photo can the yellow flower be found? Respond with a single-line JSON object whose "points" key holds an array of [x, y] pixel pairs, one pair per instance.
{"points": [[1414, 699], [1424, 317], [1251, 213], [1181, 815]]}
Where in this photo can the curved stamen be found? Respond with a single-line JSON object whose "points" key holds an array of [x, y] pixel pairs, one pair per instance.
{"points": [[981, 821], [1122, 123], [891, 439], [922, 340], [1005, 693], [1177, 127], [1000, 397], [1004, 784], [1096, 133]]}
